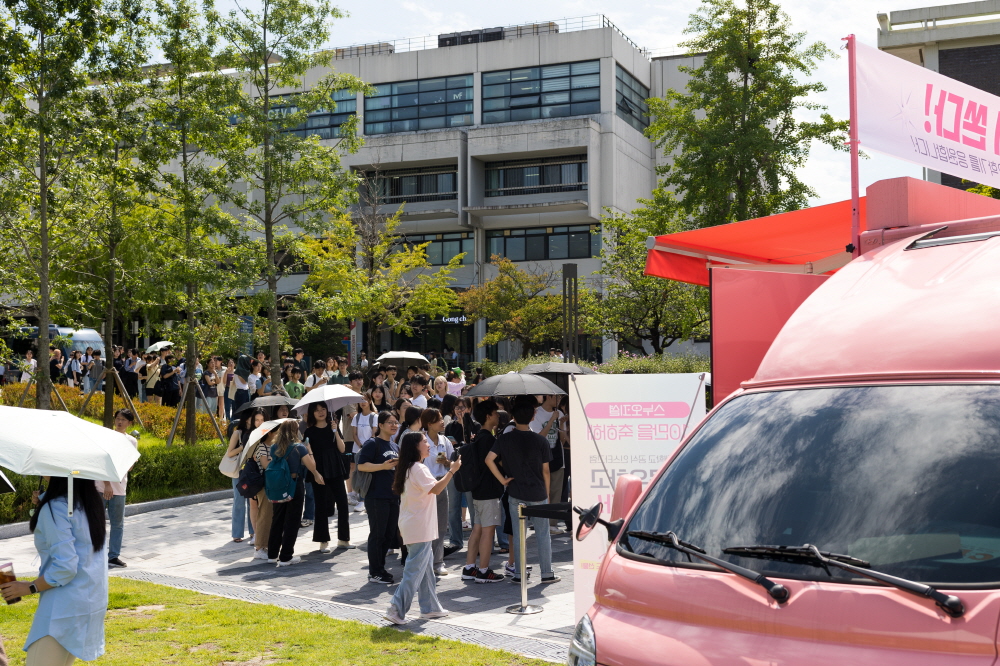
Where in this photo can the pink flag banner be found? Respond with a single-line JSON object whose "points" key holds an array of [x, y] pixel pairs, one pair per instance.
{"points": [[918, 115]]}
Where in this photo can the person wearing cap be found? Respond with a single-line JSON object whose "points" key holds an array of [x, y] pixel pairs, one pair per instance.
{"points": [[113, 493]]}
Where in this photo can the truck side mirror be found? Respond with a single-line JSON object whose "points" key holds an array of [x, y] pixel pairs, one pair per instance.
{"points": [[588, 519]]}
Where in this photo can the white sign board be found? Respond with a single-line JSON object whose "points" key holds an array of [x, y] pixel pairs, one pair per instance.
{"points": [[633, 423], [916, 114]]}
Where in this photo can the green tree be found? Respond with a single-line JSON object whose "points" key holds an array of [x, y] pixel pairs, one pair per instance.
{"points": [[363, 269], [736, 137], [636, 308], [299, 179], [47, 55], [517, 305], [202, 256]]}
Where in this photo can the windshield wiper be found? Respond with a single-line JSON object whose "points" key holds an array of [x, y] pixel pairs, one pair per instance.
{"points": [[777, 591], [792, 554], [950, 604]]}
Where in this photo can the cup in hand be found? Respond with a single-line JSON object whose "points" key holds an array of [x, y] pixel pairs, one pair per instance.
{"points": [[7, 576], [442, 458]]}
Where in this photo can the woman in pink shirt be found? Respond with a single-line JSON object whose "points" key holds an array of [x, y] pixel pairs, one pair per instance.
{"points": [[418, 525]]}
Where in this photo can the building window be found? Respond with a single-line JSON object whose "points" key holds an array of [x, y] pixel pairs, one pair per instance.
{"points": [[630, 100], [553, 174], [420, 105], [536, 244], [323, 122], [413, 185], [553, 91], [444, 247]]}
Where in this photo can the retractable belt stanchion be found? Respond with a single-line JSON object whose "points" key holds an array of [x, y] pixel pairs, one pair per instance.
{"points": [[523, 608]]}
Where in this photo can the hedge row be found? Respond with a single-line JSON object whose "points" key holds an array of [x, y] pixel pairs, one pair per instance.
{"points": [[157, 419], [620, 364], [160, 472]]}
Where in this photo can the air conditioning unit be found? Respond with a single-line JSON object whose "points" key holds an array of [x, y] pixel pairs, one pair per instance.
{"points": [[470, 37], [492, 34], [448, 39]]}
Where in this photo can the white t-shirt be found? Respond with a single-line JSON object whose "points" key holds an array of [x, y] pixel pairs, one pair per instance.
{"points": [[418, 507], [420, 401], [253, 381], [364, 426], [30, 368], [116, 487], [538, 424]]}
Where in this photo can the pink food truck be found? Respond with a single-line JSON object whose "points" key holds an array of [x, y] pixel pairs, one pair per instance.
{"points": [[843, 505]]}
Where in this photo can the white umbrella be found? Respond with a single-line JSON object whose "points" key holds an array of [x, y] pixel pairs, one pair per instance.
{"points": [[157, 346], [44, 443], [403, 358], [258, 434], [336, 396]]}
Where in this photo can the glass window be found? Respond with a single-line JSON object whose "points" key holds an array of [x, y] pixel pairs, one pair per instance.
{"points": [[517, 90], [903, 477], [630, 100], [539, 243], [321, 122], [442, 248], [551, 174], [423, 104], [412, 185]]}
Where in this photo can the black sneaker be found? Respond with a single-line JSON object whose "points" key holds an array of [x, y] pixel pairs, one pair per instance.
{"points": [[470, 572], [384, 578], [489, 577], [551, 579], [451, 549], [517, 579], [116, 563]]}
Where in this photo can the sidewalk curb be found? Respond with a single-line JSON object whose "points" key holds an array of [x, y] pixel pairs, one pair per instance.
{"points": [[12, 530]]}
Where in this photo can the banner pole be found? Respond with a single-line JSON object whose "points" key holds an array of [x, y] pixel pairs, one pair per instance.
{"points": [[852, 65]]}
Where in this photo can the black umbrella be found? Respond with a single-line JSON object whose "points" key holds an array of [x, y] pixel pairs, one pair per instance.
{"points": [[557, 373], [514, 384], [5, 485], [266, 401]]}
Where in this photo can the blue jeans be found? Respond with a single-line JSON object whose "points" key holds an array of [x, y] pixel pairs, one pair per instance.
{"points": [[418, 580], [541, 534], [228, 407], [116, 515], [242, 396], [240, 514], [309, 513], [142, 391]]}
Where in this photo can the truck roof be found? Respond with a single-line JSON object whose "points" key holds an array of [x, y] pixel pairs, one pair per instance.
{"points": [[910, 311]]}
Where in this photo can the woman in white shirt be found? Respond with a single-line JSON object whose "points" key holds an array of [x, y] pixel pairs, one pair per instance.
{"points": [[417, 489], [365, 421], [29, 367]]}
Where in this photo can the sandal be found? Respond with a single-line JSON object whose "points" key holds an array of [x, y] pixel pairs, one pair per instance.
{"points": [[239, 540], [505, 551]]}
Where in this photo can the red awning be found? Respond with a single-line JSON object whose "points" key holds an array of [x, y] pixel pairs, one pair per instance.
{"points": [[811, 240]]}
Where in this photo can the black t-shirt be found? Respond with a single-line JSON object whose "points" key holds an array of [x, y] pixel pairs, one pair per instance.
{"points": [[54, 372], [324, 448], [378, 451], [523, 454], [173, 381], [488, 487]]}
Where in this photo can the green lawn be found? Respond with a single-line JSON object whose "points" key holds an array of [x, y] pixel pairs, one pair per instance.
{"points": [[152, 624]]}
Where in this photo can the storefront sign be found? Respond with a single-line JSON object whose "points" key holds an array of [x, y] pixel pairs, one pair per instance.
{"points": [[630, 437], [455, 320], [918, 115]]}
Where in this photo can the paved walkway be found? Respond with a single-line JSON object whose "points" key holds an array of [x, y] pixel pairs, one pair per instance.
{"points": [[189, 547]]}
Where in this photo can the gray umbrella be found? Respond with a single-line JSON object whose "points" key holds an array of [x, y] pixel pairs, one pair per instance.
{"points": [[266, 401], [558, 373], [514, 384]]}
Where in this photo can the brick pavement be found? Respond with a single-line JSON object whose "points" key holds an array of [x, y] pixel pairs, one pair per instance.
{"points": [[190, 547]]}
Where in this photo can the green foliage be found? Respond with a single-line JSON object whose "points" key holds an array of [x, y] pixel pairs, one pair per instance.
{"points": [[635, 307], [985, 190], [518, 305], [361, 269], [737, 136], [625, 361]]}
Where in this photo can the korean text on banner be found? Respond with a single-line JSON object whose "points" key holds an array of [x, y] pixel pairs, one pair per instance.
{"points": [[632, 436], [918, 115]]}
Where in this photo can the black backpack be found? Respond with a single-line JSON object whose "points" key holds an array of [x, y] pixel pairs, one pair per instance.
{"points": [[467, 478], [251, 480]]}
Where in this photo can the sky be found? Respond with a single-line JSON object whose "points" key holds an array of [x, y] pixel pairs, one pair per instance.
{"points": [[657, 25]]}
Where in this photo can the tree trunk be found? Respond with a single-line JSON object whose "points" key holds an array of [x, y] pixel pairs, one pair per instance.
{"points": [[372, 342], [109, 327], [44, 388], [271, 269], [190, 422]]}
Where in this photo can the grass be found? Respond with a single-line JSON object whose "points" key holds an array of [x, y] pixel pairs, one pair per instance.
{"points": [[151, 624]]}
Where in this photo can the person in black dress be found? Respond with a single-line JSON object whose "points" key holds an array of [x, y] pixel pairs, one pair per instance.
{"points": [[327, 446]]}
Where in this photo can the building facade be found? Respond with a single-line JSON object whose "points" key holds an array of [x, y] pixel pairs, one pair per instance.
{"points": [[960, 41], [509, 141]]}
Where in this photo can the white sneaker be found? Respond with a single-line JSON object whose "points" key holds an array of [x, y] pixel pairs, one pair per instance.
{"points": [[324, 547], [434, 614], [555, 530], [393, 616], [294, 560], [466, 525], [271, 561], [359, 507], [346, 545], [352, 498], [440, 570], [260, 554]]}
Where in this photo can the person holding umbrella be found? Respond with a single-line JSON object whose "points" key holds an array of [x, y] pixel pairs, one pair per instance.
{"points": [[326, 445], [73, 576]]}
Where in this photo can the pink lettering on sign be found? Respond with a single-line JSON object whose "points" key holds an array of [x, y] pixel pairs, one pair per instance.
{"points": [[638, 410]]}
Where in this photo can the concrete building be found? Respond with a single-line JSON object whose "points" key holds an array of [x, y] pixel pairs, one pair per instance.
{"points": [[961, 41], [509, 141]]}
